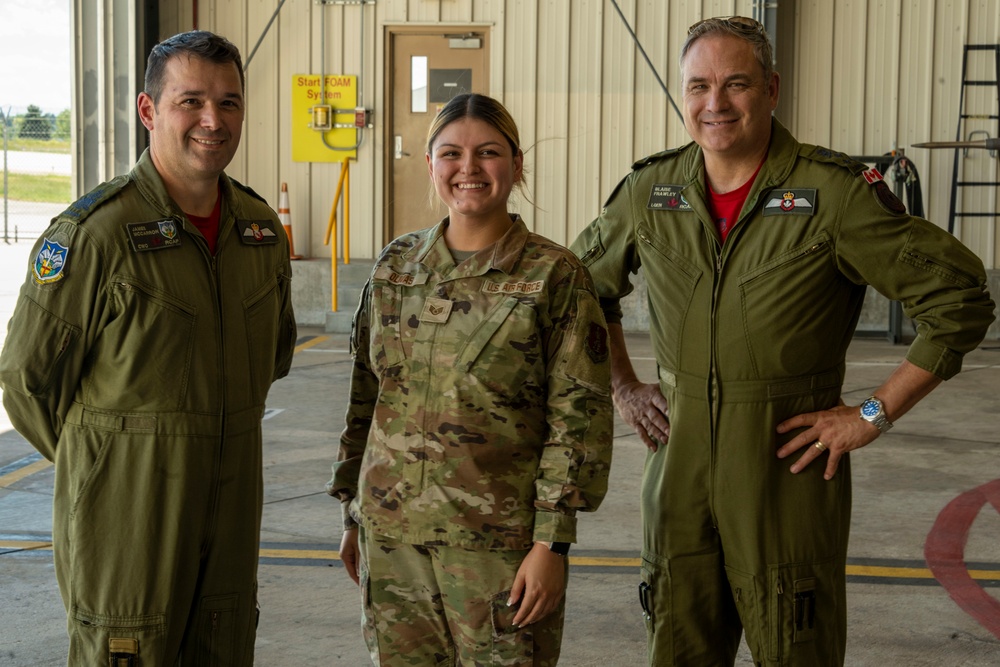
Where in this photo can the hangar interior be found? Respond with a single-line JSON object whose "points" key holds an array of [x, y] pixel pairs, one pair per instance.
{"points": [[593, 85]]}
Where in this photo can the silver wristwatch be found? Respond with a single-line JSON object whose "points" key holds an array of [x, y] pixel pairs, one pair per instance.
{"points": [[873, 411]]}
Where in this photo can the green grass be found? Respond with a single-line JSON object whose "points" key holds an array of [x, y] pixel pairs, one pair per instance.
{"points": [[40, 188], [50, 146]]}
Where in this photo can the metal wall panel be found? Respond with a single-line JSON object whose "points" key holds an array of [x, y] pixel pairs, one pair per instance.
{"points": [[860, 76]]}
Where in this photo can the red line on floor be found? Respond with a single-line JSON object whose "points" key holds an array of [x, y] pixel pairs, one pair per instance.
{"points": [[945, 554]]}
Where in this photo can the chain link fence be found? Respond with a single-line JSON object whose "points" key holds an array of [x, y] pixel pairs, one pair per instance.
{"points": [[36, 172]]}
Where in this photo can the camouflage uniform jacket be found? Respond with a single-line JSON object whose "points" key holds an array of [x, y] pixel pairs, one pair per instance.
{"points": [[480, 411]]}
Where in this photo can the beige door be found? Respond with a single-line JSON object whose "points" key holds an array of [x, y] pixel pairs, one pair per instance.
{"points": [[429, 67]]}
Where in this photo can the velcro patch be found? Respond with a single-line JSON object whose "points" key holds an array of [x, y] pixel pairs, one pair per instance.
{"points": [[888, 199], [396, 278], [799, 201], [436, 310], [49, 263], [597, 343], [520, 287], [667, 197], [257, 232], [155, 235]]}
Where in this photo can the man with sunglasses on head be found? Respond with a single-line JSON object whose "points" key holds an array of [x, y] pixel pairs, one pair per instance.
{"points": [[757, 251]]}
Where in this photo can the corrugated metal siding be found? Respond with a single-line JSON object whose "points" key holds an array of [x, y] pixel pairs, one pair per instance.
{"points": [[861, 76]]}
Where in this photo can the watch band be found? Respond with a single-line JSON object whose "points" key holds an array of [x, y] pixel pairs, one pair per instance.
{"points": [[559, 548]]}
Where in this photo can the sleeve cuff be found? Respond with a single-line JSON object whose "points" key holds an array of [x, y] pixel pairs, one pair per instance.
{"points": [[941, 361], [554, 527]]}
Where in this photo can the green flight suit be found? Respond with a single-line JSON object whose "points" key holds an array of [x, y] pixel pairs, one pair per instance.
{"points": [[747, 334], [138, 362]]}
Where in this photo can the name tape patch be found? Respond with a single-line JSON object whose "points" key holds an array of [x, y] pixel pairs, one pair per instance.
{"points": [[521, 287], [667, 197], [155, 235]]}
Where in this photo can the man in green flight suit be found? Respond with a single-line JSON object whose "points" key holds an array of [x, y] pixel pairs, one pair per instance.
{"points": [[757, 251], [155, 315]]}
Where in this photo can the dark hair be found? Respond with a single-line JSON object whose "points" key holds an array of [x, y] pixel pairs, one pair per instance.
{"points": [[745, 28], [200, 43]]}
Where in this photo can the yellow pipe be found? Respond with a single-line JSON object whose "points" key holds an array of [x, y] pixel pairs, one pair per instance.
{"points": [[331, 228], [347, 212]]}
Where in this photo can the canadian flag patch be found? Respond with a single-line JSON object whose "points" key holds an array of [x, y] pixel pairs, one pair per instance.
{"points": [[872, 175]]}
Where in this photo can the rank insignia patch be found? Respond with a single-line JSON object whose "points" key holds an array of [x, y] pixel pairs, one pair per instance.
{"points": [[49, 263], [667, 198], [800, 201], [257, 232], [436, 310], [155, 235]]}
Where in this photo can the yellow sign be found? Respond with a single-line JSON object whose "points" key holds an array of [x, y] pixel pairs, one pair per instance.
{"points": [[341, 94]]}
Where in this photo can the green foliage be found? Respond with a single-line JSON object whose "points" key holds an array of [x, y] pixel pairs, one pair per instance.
{"points": [[30, 187], [61, 130], [34, 126]]}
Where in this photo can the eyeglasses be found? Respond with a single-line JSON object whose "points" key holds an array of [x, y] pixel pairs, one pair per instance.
{"points": [[739, 23]]}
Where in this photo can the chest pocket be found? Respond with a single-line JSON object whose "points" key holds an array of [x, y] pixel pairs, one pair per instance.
{"points": [[386, 349], [262, 311], [504, 350], [146, 348], [795, 309]]}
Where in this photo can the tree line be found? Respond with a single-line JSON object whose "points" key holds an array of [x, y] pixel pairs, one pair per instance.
{"points": [[33, 124]]}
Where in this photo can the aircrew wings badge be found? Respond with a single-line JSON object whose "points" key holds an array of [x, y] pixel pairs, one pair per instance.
{"points": [[257, 232], [49, 263], [798, 201]]}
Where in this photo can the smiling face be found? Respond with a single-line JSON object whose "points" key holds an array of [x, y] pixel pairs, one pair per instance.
{"points": [[727, 98], [473, 168], [195, 126]]}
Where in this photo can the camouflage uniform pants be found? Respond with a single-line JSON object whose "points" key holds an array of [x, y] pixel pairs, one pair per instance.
{"points": [[425, 605]]}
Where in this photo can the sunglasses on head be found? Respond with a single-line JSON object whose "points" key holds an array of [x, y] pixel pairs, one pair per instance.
{"points": [[739, 23]]}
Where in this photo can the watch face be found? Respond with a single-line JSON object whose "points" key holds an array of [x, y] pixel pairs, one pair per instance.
{"points": [[870, 408]]}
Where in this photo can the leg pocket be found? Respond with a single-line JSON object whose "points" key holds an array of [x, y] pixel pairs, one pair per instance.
{"points": [[512, 646], [119, 641], [368, 629], [808, 615], [217, 629]]}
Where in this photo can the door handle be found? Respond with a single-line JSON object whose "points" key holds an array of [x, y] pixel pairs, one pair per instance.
{"points": [[400, 153]]}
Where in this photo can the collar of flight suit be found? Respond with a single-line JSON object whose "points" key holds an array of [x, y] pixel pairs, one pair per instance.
{"points": [[147, 180]]}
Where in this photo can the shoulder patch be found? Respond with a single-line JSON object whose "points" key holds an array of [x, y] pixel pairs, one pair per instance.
{"points": [[49, 262], [88, 203]]}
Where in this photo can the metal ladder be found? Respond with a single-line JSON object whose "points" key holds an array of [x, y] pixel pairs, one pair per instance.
{"points": [[963, 134]]}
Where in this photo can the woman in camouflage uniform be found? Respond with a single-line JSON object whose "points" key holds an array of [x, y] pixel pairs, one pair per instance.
{"points": [[480, 420]]}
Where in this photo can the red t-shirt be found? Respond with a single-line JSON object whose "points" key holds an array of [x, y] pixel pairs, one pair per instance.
{"points": [[209, 227], [725, 208]]}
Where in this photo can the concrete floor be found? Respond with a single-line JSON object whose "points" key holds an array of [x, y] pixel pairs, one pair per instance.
{"points": [[946, 448]]}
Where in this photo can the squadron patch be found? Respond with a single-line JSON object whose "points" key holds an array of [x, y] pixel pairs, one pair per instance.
{"points": [[799, 201], [597, 343], [886, 198], [667, 197], [49, 263], [257, 232], [155, 235]]}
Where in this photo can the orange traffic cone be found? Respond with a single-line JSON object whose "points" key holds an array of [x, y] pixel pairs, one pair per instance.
{"points": [[286, 220]]}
